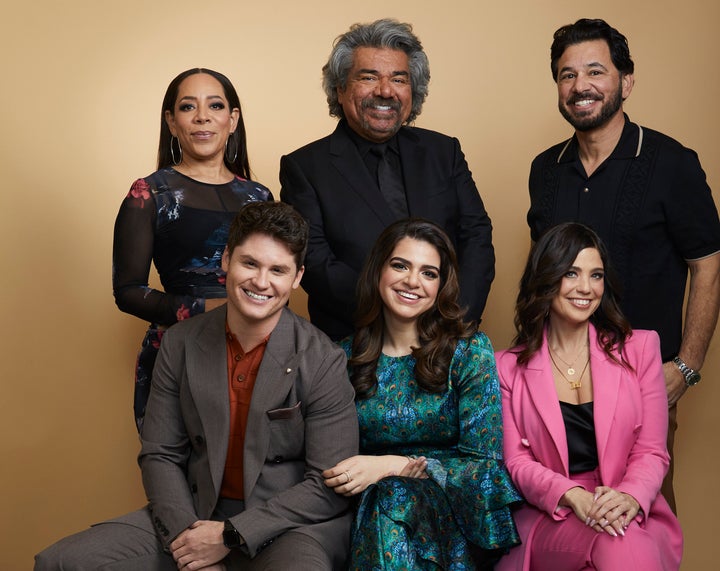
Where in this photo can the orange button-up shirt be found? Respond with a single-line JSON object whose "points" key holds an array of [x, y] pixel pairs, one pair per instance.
{"points": [[242, 371]]}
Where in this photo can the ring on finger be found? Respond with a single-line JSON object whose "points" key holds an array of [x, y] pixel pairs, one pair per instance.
{"points": [[347, 475]]}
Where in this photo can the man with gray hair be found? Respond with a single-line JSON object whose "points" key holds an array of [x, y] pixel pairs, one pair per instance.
{"points": [[375, 169]]}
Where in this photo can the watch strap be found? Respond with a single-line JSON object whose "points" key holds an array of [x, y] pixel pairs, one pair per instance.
{"points": [[691, 376]]}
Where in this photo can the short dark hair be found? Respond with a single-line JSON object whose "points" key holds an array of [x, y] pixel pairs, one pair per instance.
{"points": [[241, 165], [587, 30], [275, 219], [439, 328], [385, 33], [550, 258]]}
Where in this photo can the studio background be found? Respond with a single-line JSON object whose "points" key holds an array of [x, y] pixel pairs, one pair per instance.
{"points": [[82, 85]]}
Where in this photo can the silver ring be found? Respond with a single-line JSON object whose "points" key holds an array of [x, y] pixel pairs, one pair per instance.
{"points": [[347, 475]]}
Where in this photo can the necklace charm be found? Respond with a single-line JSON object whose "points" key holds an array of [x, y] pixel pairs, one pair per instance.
{"points": [[575, 385], [571, 372]]}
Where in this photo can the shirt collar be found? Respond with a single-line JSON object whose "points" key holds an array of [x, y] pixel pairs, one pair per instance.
{"points": [[364, 146], [628, 147]]}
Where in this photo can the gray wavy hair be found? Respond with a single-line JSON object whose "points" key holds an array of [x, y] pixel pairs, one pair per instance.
{"points": [[385, 33]]}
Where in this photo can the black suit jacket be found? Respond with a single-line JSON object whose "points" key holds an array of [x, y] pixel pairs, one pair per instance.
{"points": [[329, 184]]}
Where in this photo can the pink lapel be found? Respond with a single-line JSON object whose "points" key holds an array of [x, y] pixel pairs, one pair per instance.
{"points": [[541, 387], [606, 375]]}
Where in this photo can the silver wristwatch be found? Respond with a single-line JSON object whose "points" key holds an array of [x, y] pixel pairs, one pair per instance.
{"points": [[692, 377]]}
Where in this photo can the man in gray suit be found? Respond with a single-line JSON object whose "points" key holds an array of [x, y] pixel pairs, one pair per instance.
{"points": [[249, 404]]}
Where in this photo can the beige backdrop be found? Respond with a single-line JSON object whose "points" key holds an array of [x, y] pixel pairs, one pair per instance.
{"points": [[82, 86]]}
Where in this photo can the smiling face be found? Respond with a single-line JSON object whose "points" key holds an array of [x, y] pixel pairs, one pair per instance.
{"points": [[202, 119], [377, 99], [590, 88], [410, 280], [261, 274], [581, 290]]}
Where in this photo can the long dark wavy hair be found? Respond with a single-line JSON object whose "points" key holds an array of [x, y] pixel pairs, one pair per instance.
{"points": [[439, 328], [549, 260], [241, 165]]}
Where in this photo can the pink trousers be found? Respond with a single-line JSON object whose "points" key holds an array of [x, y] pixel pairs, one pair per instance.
{"points": [[570, 545]]}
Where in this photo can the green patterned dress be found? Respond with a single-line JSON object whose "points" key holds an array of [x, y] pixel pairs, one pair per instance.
{"points": [[408, 523]]}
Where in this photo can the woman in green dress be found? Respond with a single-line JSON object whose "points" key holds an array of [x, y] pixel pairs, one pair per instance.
{"points": [[433, 489]]}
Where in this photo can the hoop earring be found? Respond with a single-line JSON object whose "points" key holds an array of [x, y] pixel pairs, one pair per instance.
{"points": [[172, 150], [234, 154]]}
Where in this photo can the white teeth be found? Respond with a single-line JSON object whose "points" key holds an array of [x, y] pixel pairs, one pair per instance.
{"points": [[584, 102], [408, 295], [581, 301], [383, 107], [257, 296]]}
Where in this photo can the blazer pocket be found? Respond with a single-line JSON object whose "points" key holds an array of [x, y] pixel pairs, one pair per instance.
{"points": [[284, 413]]}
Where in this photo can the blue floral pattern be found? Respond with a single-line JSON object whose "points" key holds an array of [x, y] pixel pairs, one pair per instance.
{"points": [[464, 506]]}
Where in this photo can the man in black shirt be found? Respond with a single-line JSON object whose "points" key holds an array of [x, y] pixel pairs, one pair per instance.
{"points": [[643, 192]]}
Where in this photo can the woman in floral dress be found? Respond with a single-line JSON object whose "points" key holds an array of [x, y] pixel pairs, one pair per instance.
{"points": [[433, 490], [178, 217]]}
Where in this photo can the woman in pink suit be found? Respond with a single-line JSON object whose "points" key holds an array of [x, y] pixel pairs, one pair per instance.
{"points": [[585, 419]]}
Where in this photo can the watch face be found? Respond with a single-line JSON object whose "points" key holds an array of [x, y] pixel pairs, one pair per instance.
{"points": [[692, 379]]}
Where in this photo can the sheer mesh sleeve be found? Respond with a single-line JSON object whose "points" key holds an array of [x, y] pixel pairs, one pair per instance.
{"points": [[133, 245]]}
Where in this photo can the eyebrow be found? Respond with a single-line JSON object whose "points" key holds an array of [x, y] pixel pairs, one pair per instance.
{"points": [[194, 98], [375, 72], [251, 258], [593, 64], [409, 263]]}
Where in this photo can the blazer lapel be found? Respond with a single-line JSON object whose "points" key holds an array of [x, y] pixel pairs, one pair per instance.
{"points": [[208, 382], [274, 380], [414, 167], [346, 159], [606, 375], [541, 387]]}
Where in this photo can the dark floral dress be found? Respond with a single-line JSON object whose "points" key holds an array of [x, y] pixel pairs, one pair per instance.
{"points": [[463, 508], [181, 225]]}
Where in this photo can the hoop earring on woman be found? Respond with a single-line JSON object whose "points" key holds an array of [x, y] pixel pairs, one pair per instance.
{"points": [[228, 154], [172, 150]]}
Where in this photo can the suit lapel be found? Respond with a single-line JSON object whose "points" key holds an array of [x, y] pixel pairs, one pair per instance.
{"points": [[274, 380], [346, 159], [414, 167], [208, 382], [541, 387], [606, 376]]}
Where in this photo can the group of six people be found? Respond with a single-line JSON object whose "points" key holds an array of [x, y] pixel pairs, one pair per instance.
{"points": [[399, 440]]}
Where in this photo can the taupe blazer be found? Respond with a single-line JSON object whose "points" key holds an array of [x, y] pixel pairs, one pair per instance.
{"points": [[302, 420]]}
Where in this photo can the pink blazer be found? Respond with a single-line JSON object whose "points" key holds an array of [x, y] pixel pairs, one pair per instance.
{"points": [[630, 415]]}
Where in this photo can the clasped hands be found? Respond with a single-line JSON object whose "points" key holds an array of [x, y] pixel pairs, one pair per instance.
{"points": [[606, 510], [353, 475]]}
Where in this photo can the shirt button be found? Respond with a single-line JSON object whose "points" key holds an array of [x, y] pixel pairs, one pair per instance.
{"points": [[241, 378], [238, 357], [586, 189]]}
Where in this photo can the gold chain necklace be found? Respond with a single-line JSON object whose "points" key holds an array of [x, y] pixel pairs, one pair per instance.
{"points": [[571, 366], [574, 385]]}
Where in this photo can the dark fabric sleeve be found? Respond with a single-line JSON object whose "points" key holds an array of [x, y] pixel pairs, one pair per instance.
{"points": [[330, 281], [476, 254], [691, 212], [133, 241]]}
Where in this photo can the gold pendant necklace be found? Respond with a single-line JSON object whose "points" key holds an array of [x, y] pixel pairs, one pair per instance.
{"points": [[571, 366], [574, 385]]}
